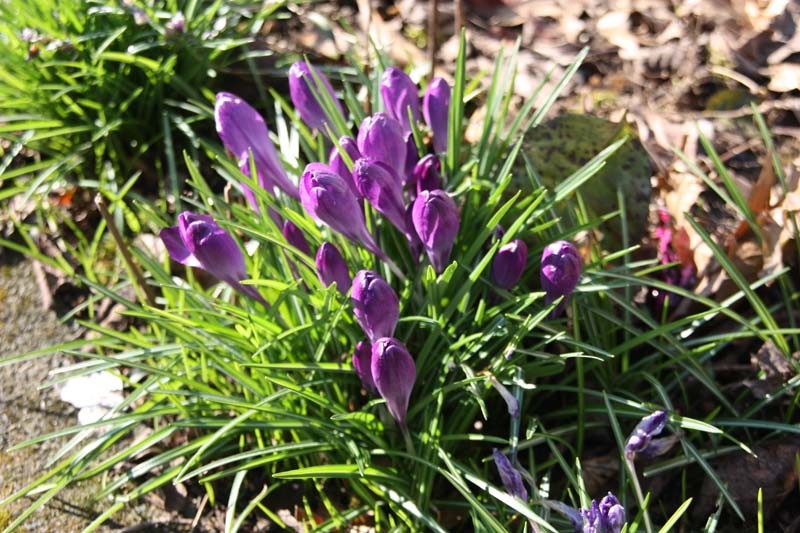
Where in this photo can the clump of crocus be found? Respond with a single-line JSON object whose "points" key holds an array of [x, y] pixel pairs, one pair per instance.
{"points": [[362, 362], [242, 130], [426, 176], [339, 165], [295, 237], [642, 441], [331, 267], [306, 87], [381, 138], [561, 269], [380, 185], [435, 218], [509, 263], [608, 516], [198, 241], [510, 476], [394, 373], [375, 305], [436, 110], [400, 94], [326, 197]]}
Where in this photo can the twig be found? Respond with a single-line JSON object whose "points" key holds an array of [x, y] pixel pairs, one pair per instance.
{"points": [[123, 248], [458, 21], [433, 24], [44, 287]]}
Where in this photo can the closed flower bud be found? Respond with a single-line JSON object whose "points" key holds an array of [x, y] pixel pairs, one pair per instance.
{"points": [[198, 241], [399, 95], [435, 218], [295, 237], [306, 94], [381, 137], [362, 362], [561, 269], [375, 305], [242, 130], [331, 267], [176, 25], [338, 164], [382, 188], [642, 442], [509, 263], [394, 373], [436, 110], [608, 516], [325, 196], [412, 158], [510, 476], [426, 176]]}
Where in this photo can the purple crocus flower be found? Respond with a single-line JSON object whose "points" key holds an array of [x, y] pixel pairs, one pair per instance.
{"points": [[242, 129], [436, 110], [412, 158], [295, 237], [426, 176], [338, 165], [561, 269], [198, 241], [509, 263], [362, 362], [435, 218], [331, 267], [375, 305], [394, 372], [510, 476], [642, 442], [306, 94], [326, 197], [399, 95], [608, 516], [381, 137], [380, 185]]}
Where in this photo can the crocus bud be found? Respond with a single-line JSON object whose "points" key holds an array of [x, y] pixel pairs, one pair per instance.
{"points": [[608, 516], [295, 237], [338, 165], [198, 241], [381, 137], [642, 442], [561, 269], [399, 95], [326, 197], [176, 25], [435, 218], [411, 159], [425, 176], [509, 263], [375, 305], [242, 129], [380, 185], [307, 94], [362, 362], [510, 476], [331, 267], [436, 110], [394, 372]]}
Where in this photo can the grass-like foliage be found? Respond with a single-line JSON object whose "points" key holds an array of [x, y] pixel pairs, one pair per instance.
{"points": [[247, 400], [92, 86]]}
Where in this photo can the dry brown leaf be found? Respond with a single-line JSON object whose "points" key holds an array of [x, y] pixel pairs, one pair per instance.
{"points": [[784, 77]]}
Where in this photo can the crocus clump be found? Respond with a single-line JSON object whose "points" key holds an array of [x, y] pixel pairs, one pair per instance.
{"points": [[375, 305], [435, 218], [510, 476], [306, 87], [509, 263], [331, 267], [198, 241], [362, 362], [561, 270], [394, 373], [400, 97], [608, 516], [436, 110], [242, 130], [642, 441]]}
